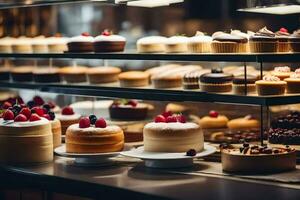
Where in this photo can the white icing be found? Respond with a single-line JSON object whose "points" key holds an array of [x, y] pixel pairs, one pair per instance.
{"points": [[7, 41], [271, 78], [297, 70], [239, 33], [178, 71], [176, 40], [81, 38], [56, 40], [11, 123], [199, 33], [98, 108], [110, 38], [93, 129], [295, 75], [217, 34], [282, 69], [200, 38], [152, 40], [22, 41], [67, 117], [172, 125]]}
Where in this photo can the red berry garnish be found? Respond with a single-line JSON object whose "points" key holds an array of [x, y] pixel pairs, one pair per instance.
{"points": [[106, 33], [171, 119], [160, 119], [191, 152], [6, 105], [26, 112], [51, 104], [8, 115], [23, 105], [84, 122], [20, 118], [167, 114], [34, 117], [19, 100], [100, 123], [283, 30], [86, 34], [38, 110], [213, 114], [67, 111], [38, 100], [133, 103], [181, 119], [47, 116]]}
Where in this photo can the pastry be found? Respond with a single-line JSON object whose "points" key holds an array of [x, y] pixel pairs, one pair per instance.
{"points": [[227, 43], [289, 121], [108, 42], [172, 134], [67, 118], [4, 73], [81, 43], [199, 43], [46, 75], [191, 79], [92, 135], [151, 44], [270, 85], [293, 82], [74, 74], [39, 44], [133, 130], [239, 84], [282, 72], [284, 136], [240, 71], [243, 35], [234, 136], [294, 41], [263, 41], [24, 137], [57, 44], [257, 159], [22, 73], [103, 74], [128, 110], [178, 108], [22, 45], [134, 79], [243, 123], [176, 44], [160, 69], [56, 132], [216, 82], [283, 40], [213, 121], [6, 44], [95, 107]]}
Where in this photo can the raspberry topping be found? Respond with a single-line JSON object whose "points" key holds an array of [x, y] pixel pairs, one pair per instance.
{"points": [[100, 123], [84, 122], [38, 110], [67, 111], [106, 33], [6, 105], [51, 104], [34, 117], [47, 116], [26, 112], [167, 114], [160, 119], [8, 115], [171, 119], [284, 30], [38, 100], [181, 119], [85, 34], [20, 118], [133, 103], [213, 114]]}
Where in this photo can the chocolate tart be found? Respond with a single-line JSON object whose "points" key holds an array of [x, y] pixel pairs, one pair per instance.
{"points": [[238, 84], [128, 112], [216, 82], [22, 74]]}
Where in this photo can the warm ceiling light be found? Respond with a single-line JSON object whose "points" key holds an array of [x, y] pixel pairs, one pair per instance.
{"points": [[280, 9], [152, 3]]}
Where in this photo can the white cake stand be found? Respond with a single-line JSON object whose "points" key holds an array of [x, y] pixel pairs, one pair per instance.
{"points": [[88, 159], [167, 160]]}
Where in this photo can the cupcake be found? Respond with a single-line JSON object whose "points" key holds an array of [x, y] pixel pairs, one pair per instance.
{"points": [[239, 84], [281, 72], [293, 82], [39, 44], [107, 42], [270, 85], [22, 45], [176, 44], [227, 43], [151, 44], [103, 74], [57, 44], [216, 82], [134, 79], [6, 44], [22, 74], [263, 41], [283, 40], [74, 74], [244, 123], [243, 35], [199, 43], [46, 75], [191, 79], [81, 43], [294, 41]]}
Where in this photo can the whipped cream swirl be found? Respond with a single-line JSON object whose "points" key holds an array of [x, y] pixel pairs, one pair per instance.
{"points": [[265, 33], [282, 69], [271, 78]]}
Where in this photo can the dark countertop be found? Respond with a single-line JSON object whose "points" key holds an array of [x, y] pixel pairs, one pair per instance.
{"points": [[132, 180]]}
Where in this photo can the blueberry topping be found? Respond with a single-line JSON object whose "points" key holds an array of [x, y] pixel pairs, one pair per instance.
{"points": [[93, 119], [191, 152], [17, 108], [52, 115], [46, 107], [30, 104]]}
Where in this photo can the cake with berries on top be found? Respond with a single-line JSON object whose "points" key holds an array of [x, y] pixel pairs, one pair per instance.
{"points": [[172, 134], [108, 42], [93, 135], [67, 117], [81, 43], [128, 110]]}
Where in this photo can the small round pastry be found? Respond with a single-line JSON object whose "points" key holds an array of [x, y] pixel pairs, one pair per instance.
{"points": [[213, 120], [39, 44], [216, 82], [74, 74], [176, 44], [6, 44], [57, 44], [22, 74], [247, 122], [238, 84], [191, 79], [270, 85], [134, 79], [162, 68], [172, 134], [46, 75], [283, 40], [257, 159], [107, 42], [67, 118], [81, 43], [4, 73], [227, 43], [282, 72], [22, 45], [92, 135], [294, 41], [103, 74], [263, 41], [151, 44], [128, 110], [293, 82], [199, 43]]}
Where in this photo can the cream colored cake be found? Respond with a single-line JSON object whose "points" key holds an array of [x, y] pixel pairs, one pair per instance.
{"points": [[67, 120], [151, 44], [56, 132]]}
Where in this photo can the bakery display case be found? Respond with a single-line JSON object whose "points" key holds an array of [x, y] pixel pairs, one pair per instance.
{"points": [[146, 116]]}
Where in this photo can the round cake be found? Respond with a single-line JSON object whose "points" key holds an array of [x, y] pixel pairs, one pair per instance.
{"points": [[81, 43], [172, 134], [46, 75], [92, 135], [74, 74], [107, 42], [103, 74], [67, 118], [134, 79], [151, 44]]}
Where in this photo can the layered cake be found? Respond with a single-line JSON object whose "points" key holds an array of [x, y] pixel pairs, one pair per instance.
{"points": [[46, 75], [176, 44], [107, 42], [217, 81], [240, 85], [22, 73], [81, 43], [128, 110], [67, 118], [172, 134], [92, 135], [191, 79], [151, 44], [103, 74], [74, 74], [257, 159], [263, 41], [134, 79]]}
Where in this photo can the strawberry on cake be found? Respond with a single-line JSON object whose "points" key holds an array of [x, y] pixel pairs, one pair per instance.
{"points": [[108, 42], [67, 118]]}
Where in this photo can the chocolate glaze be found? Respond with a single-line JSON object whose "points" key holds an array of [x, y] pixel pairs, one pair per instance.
{"points": [[241, 80], [216, 78]]}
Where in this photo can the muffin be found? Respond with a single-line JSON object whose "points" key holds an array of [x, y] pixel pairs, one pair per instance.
{"points": [[227, 43], [57, 44], [243, 35], [134, 79], [6, 44], [39, 44], [22, 74], [281, 72], [107, 42], [151, 44], [162, 68], [103, 74], [81, 43], [238, 84], [263, 41], [46, 75], [22, 45], [283, 40], [216, 82], [294, 41], [293, 82], [199, 43], [74, 74], [176, 44], [243, 123], [270, 85]]}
